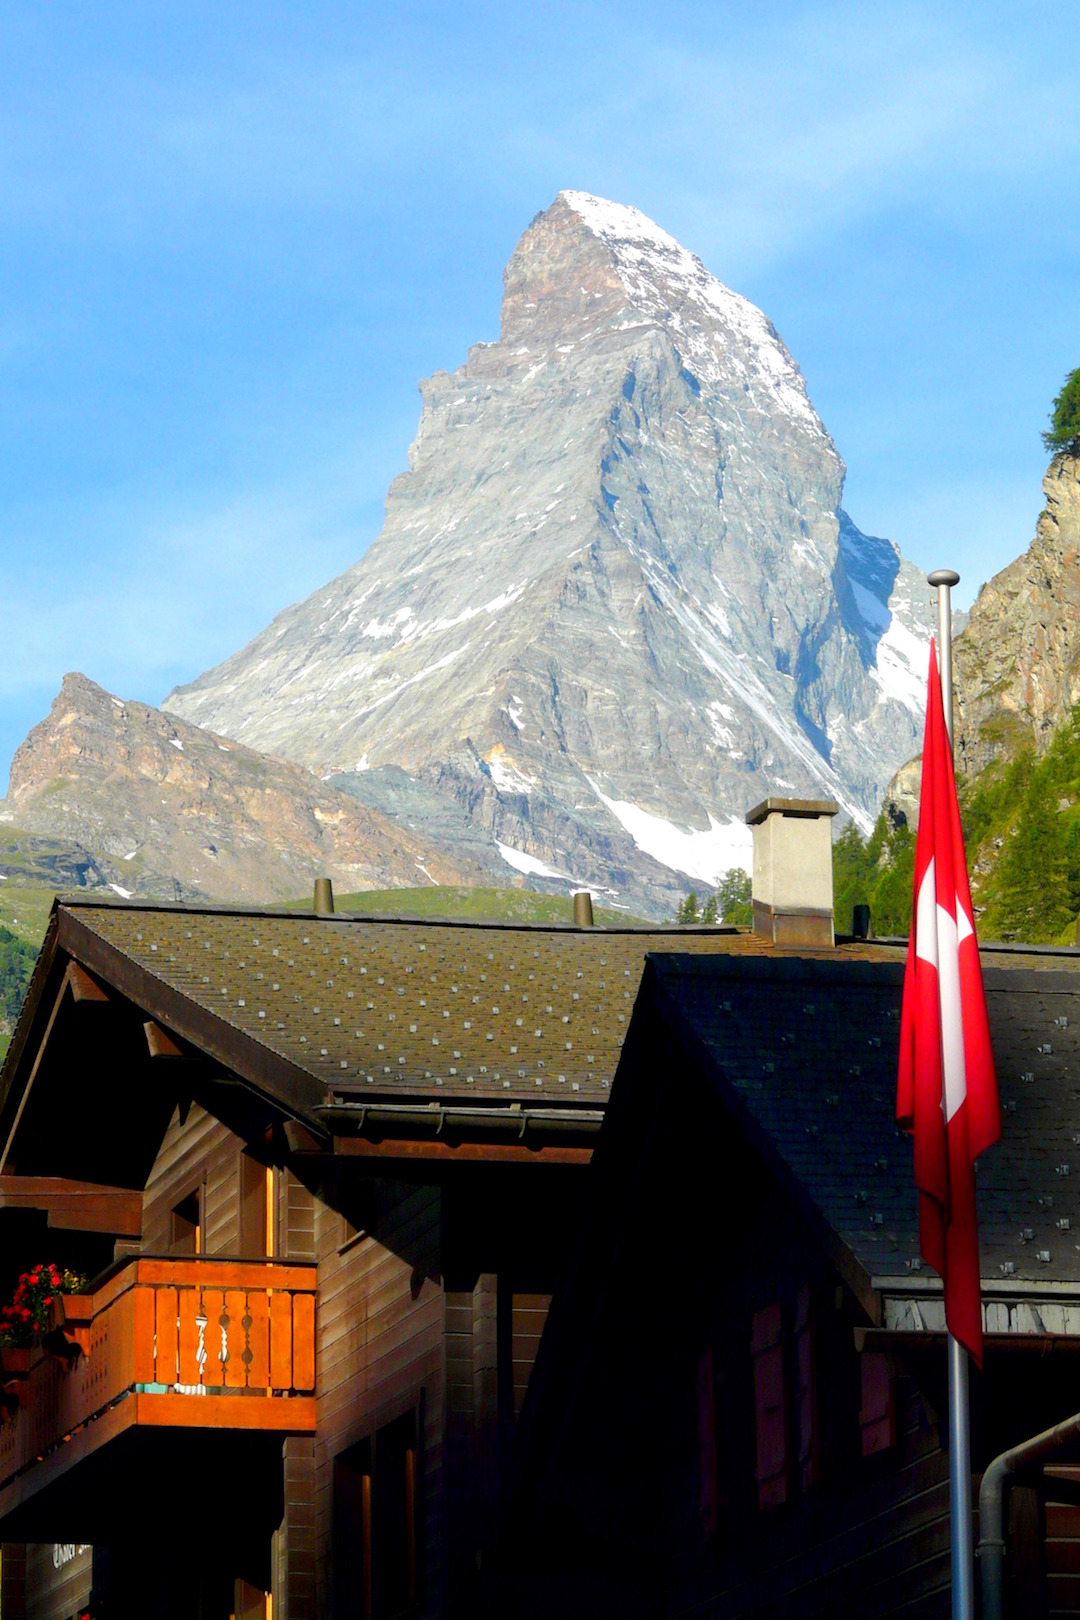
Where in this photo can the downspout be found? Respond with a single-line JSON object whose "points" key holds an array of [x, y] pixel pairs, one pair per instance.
{"points": [[1042, 1448]]}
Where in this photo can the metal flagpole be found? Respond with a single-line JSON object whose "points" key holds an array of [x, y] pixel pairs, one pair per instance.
{"points": [[963, 1570]]}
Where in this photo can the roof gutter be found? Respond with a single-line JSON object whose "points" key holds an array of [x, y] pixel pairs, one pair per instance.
{"points": [[1040, 1449], [433, 1120]]}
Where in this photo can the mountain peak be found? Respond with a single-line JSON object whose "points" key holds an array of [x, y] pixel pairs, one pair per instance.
{"points": [[586, 264], [612, 605]]}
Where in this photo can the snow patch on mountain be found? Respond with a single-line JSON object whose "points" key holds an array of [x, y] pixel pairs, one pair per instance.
{"points": [[660, 273], [705, 855]]}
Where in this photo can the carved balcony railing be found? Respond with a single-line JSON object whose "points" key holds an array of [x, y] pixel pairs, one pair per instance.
{"points": [[169, 1343]]}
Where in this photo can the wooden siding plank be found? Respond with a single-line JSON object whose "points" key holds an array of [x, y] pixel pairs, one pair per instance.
{"points": [[280, 1340], [166, 1311], [188, 1336], [213, 1305], [303, 1341], [235, 1372], [258, 1308], [142, 1364]]}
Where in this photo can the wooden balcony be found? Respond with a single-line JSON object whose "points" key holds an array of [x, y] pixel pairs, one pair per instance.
{"points": [[208, 1349]]}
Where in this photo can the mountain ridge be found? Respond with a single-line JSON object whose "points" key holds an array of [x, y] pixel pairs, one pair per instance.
{"points": [[173, 811], [616, 600]]}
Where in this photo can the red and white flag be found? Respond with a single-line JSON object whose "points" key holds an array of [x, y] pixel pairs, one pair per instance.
{"points": [[946, 1091]]}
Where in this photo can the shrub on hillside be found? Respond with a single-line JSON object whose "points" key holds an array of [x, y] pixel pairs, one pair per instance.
{"points": [[16, 966], [879, 872], [1064, 430]]}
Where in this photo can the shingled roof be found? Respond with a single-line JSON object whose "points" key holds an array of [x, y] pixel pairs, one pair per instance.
{"points": [[362, 1026], [405, 1004], [805, 1054], [343, 1018]]}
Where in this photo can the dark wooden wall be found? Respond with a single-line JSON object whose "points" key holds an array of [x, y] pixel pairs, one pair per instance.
{"points": [[380, 1355], [198, 1152], [13, 1581], [1062, 1569], [51, 1591]]}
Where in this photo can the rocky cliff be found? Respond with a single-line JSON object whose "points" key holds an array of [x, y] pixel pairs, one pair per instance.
{"points": [[172, 811], [616, 601], [1017, 665]]}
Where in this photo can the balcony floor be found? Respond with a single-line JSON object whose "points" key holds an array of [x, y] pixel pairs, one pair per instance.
{"points": [[124, 1476]]}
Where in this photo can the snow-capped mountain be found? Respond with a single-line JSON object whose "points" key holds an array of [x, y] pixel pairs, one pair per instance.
{"points": [[615, 602]]}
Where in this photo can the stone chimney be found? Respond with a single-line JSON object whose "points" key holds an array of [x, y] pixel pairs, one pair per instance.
{"points": [[792, 885]]}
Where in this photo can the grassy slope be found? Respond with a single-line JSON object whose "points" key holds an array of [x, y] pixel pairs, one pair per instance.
{"points": [[491, 905], [16, 965], [1021, 819], [24, 910], [1022, 826]]}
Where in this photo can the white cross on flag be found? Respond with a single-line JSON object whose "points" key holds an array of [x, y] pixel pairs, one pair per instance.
{"points": [[946, 1091]]}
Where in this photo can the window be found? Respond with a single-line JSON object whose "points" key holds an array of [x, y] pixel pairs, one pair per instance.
{"points": [[877, 1411], [708, 1466], [376, 1565], [351, 1546], [806, 1404], [395, 1518], [770, 1406], [782, 1348], [256, 1208], [186, 1226]]}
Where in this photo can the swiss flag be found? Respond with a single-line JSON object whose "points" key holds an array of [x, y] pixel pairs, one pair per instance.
{"points": [[946, 1091]]}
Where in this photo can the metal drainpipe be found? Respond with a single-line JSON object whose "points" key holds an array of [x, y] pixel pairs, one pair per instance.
{"points": [[1041, 1448]]}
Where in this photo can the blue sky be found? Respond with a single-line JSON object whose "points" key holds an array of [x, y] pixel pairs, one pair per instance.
{"points": [[233, 237]]}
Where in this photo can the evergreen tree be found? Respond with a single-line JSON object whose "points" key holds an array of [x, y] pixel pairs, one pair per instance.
{"points": [[893, 889], [1064, 432], [852, 874], [16, 966], [733, 897], [1034, 900], [709, 911], [688, 909], [878, 872]]}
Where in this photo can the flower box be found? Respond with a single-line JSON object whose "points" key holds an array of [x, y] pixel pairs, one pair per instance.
{"points": [[14, 1362], [73, 1313]]}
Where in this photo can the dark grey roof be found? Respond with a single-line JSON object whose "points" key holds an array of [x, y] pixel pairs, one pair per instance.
{"points": [[805, 1052], [407, 1005]]}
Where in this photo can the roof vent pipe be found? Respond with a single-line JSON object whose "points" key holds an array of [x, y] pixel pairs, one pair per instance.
{"points": [[324, 897], [583, 913], [860, 921], [792, 889]]}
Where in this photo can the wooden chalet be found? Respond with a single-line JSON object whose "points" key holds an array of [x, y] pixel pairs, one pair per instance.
{"points": [[739, 1404], [325, 1174], [464, 1270]]}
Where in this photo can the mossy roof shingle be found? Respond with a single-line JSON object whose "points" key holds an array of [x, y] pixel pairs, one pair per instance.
{"points": [[409, 1006]]}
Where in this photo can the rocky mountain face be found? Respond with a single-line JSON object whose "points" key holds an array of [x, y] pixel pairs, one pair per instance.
{"points": [[1017, 665], [172, 811], [616, 601]]}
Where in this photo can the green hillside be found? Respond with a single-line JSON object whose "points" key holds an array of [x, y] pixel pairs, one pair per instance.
{"points": [[1022, 826], [24, 910], [16, 965], [1021, 822], [480, 905], [877, 871]]}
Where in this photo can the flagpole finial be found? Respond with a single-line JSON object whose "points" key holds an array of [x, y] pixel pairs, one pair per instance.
{"points": [[943, 579]]}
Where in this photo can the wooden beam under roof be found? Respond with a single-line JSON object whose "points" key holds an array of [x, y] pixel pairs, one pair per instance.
{"points": [[75, 1206], [159, 1042], [411, 1150], [83, 987]]}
